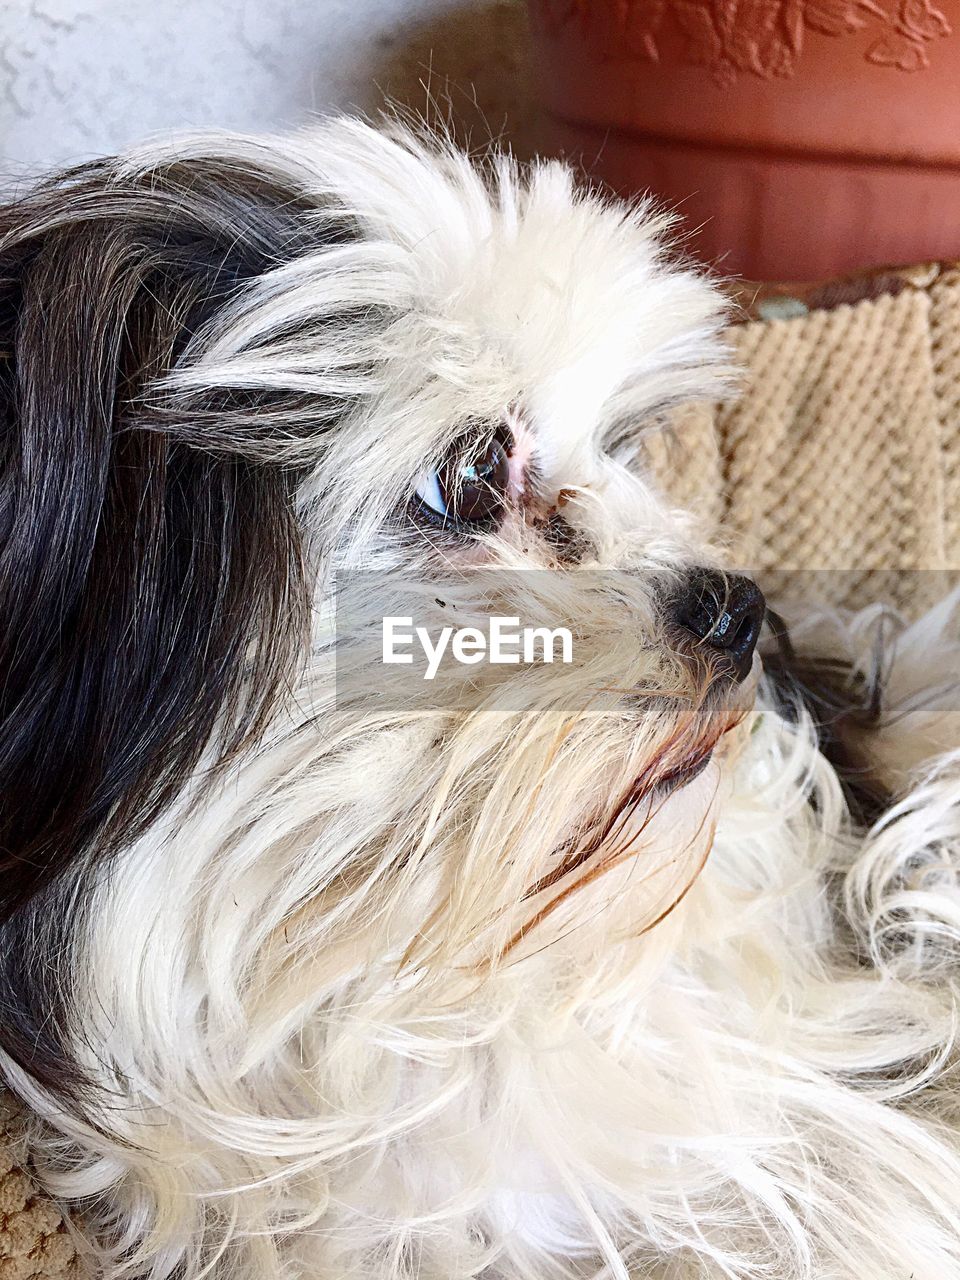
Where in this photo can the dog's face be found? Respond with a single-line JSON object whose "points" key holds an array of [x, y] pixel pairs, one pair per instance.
{"points": [[498, 347], [278, 371]]}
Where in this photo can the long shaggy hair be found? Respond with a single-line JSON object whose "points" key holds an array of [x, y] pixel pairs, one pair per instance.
{"points": [[641, 966]]}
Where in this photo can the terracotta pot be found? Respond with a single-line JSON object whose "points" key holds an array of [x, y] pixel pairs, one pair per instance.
{"points": [[805, 138]]}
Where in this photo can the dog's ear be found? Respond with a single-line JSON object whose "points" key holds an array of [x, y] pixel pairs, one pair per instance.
{"points": [[151, 588]]}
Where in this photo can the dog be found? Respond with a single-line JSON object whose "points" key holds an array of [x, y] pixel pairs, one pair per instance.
{"points": [[643, 964]]}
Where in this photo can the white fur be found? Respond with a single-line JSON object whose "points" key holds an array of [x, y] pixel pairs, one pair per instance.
{"points": [[329, 1054]]}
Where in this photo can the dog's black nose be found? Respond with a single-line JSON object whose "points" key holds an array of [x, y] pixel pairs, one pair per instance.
{"points": [[724, 611]]}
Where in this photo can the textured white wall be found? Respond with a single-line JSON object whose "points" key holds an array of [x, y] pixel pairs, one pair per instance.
{"points": [[86, 77]]}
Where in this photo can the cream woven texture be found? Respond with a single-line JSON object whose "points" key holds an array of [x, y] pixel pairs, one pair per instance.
{"points": [[842, 457], [33, 1240]]}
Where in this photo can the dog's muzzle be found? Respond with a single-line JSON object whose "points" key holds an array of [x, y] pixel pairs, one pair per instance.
{"points": [[724, 613]]}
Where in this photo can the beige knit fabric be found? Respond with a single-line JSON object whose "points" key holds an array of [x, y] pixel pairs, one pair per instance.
{"points": [[33, 1240], [945, 351], [842, 458], [842, 455]]}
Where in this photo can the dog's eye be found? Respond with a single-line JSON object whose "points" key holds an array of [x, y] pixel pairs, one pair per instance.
{"points": [[468, 490]]}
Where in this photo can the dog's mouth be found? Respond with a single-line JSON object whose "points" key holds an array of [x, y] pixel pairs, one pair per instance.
{"points": [[680, 762], [686, 760], [613, 834], [693, 758]]}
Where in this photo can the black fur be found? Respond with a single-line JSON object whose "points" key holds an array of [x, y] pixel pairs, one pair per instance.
{"points": [[845, 705], [151, 586]]}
